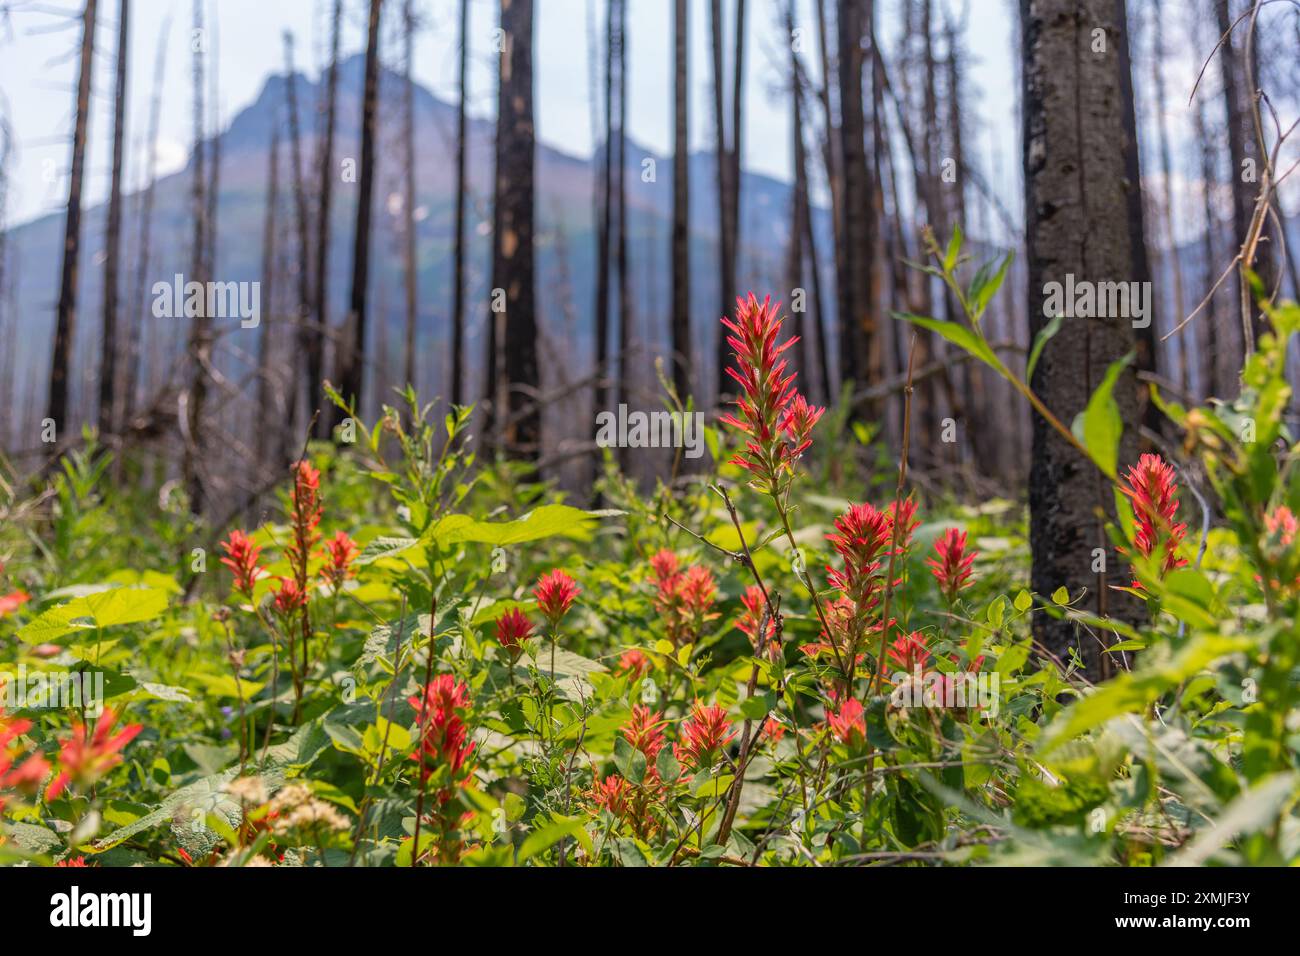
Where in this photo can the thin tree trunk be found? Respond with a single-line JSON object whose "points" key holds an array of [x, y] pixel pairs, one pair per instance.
{"points": [[1171, 256], [831, 155], [512, 259], [200, 344], [213, 194], [315, 334], [798, 209], [65, 328], [1078, 223], [458, 259], [113, 242], [269, 400], [408, 222], [625, 317], [1210, 321], [681, 241], [726, 254], [604, 227], [303, 312], [136, 366], [352, 355]]}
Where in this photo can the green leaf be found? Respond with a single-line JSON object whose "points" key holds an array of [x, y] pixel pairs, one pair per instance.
{"points": [[958, 335], [548, 521], [1099, 426], [551, 834], [102, 609], [1044, 336], [385, 547]]}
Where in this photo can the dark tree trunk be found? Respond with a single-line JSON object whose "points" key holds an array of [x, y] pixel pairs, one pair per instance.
{"points": [[512, 253], [408, 221], [681, 242], [113, 242], [831, 156], [799, 213], [65, 328], [1210, 322], [625, 317], [269, 400], [200, 344], [860, 355], [352, 354], [136, 372], [726, 187], [303, 312], [1078, 222], [458, 258], [604, 226], [319, 324]]}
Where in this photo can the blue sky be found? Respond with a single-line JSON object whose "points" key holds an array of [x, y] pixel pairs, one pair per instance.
{"points": [[38, 75]]}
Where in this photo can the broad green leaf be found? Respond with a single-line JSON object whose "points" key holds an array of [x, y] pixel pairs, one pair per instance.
{"points": [[548, 521], [101, 609], [1044, 336], [1099, 426]]}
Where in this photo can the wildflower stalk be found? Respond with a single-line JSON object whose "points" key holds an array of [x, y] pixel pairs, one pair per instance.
{"points": [[424, 718]]}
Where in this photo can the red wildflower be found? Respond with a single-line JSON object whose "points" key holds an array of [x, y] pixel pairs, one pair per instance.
{"points": [[703, 736], [952, 569], [340, 552], [444, 739], [633, 662], [698, 590], [644, 731], [777, 421], [848, 723], [908, 651], [304, 515], [241, 559], [664, 565], [611, 794], [684, 599], [289, 597], [28, 776], [13, 601], [1151, 488], [513, 628], [84, 758], [754, 617], [555, 593], [1281, 526], [75, 861]]}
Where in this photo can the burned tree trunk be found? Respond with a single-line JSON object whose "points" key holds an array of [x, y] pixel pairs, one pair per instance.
{"points": [[268, 399], [681, 241], [113, 244], [65, 328], [303, 313], [625, 317], [512, 235], [352, 354], [604, 226], [860, 354], [1078, 228], [1170, 255], [319, 324], [200, 342], [408, 210], [458, 266]]}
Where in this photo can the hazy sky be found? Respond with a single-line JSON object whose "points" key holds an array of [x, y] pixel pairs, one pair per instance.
{"points": [[38, 74]]}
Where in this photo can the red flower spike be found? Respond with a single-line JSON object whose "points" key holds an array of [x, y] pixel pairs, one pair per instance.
{"points": [[85, 757], [513, 628], [952, 568], [777, 421], [908, 651], [1153, 492], [703, 736], [644, 731], [444, 738], [555, 593], [241, 559], [848, 723], [633, 663], [289, 597], [340, 552]]}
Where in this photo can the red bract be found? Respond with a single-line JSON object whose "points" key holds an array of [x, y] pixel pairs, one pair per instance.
{"points": [[777, 421], [612, 794], [27, 776], [444, 739], [340, 552], [1153, 491], [908, 651], [289, 597], [754, 618], [664, 565], [304, 516], [703, 735], [644, 731], [241, 559], [952, 569], [513, 628], [13, 601], [848, 723], [633, 663], [84, 758], [684, 600], [697, 590], [555, 593]]}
